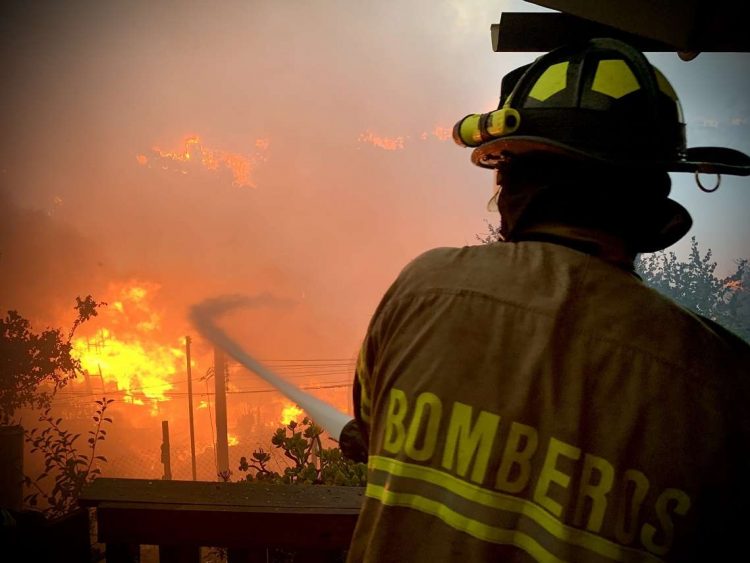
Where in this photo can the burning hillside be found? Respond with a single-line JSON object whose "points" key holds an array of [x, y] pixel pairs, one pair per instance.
{"points": [[195, 154]]}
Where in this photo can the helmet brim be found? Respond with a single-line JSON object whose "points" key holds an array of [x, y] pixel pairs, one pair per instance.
{"points": [[709, 160], [667, 223]]}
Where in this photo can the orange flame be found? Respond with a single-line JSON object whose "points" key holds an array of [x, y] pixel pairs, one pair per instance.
{"points": [[290, 413], [232, 440], [386, 143], [734, 285], [442, 133], [193, 151], [121, 354], [439, 132]]}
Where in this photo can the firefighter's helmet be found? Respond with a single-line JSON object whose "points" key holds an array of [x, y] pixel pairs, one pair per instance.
{"points": [[599, 100]]}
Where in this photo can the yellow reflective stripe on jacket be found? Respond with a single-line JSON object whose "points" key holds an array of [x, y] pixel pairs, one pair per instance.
{"points": [[496, 500], [460, 522]]}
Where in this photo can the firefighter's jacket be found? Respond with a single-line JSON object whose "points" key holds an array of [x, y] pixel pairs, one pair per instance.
{"points": [[530, 402]]}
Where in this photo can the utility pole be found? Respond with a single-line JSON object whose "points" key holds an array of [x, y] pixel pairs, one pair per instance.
{"points": [[101, 376], [220, 389], [166, 458], [86, 377], [190, 404]]}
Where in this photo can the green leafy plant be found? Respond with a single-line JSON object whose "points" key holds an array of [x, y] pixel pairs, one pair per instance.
{"points": [[69, 468], [311, 463], [35, 365], [694, 285]]}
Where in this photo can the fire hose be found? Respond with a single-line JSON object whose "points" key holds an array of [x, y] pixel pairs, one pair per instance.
{"points": [[203, 316]]}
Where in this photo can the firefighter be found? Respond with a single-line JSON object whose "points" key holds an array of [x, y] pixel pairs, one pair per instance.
{"points": [[531, 399]]}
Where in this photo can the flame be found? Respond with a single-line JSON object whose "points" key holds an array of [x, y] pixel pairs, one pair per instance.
{"points": [[133, 400], [386, 143], [439, 132], [290, 413], [125, 352], [232, 439], [202, 405], [193, 151], [442, 133]]}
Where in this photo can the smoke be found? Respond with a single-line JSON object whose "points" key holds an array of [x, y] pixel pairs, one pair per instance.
{"points": [[94, 88], [202, 316], [44, 263]]}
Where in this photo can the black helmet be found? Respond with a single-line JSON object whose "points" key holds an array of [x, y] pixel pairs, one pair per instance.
{"points": [[599, 100]]}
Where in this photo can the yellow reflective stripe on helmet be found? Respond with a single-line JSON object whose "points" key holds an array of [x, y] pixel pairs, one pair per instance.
{"points": [[479, 530], [614, 78], [552, 81], [509, 503]]}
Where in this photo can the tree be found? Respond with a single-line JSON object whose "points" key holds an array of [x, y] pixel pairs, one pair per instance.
{"points": [[695, 285], [33, 366]]}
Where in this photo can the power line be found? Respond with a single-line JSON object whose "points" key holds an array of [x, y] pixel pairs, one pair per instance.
{"points": [[168, 395], [143, 389], [290, 368], [184, 382]]}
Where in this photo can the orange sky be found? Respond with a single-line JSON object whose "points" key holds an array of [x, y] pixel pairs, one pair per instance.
{"points": [[297, 148]]}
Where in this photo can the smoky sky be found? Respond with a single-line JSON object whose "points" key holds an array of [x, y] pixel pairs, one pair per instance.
{"points": [[90, 87]]}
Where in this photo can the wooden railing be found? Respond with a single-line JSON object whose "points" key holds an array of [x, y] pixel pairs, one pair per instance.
{"points": [[245, 518]]}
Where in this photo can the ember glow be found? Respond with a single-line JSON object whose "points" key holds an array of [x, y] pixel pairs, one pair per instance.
{"points": [[442, 133], [194, 152], [385, 143], [439, 132], [290, 413], [127, 352]]}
